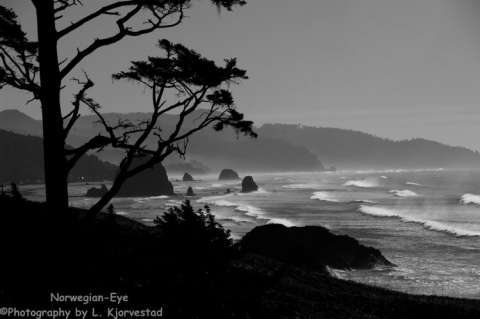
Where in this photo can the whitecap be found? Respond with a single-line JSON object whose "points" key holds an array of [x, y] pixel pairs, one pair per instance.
{"points": [[324, 196], [403, 193], [173, 203], [470, 199], [260, 191], [363, 183], [413, 183], [302, 186], [428, 224], [144, 199], [215, 200], [247, 209]]}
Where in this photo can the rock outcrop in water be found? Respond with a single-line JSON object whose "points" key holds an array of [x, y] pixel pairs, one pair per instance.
{"points": [[151, 182], [314, 247], [187, 177], [97, 192], [190, 192], [249, 185], [228, 174]]}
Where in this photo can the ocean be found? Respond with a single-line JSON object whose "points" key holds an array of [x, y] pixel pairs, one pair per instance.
{"points": [[427, 222]]}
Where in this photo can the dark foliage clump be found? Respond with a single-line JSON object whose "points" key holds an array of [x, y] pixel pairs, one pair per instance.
{"points": [[201, 246]]}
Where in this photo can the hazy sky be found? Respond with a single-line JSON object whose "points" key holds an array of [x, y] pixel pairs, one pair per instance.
{"points": [[394, 68]]}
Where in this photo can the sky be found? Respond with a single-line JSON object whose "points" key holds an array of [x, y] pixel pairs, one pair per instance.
{"points": [[396, 69]]}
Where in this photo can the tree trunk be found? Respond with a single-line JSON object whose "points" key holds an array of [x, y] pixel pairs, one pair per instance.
{"points": [[50, 80]]}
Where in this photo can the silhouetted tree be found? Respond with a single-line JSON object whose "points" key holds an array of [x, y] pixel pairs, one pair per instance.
{"points": [[35, 67]]}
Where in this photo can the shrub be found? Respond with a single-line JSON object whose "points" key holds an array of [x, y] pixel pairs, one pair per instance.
{"points": [[193, 240]]}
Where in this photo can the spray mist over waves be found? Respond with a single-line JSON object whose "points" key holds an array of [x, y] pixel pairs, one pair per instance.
{"points": [[428, 224]]}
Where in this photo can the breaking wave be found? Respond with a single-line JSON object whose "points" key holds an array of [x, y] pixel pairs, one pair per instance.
{"points": [[403, 193], [470, 199], [144, 199], [324, 196], [428, 224], [413, 184], [364, 183], [248, 210], [302, 186], [327, 197]]}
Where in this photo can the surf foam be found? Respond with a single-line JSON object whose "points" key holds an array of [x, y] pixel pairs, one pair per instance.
{"points": [[413, 184], [403, 193], [247, 209], [302, 186], [428, 224], [363, 183], [470, 199], [323, 196]]}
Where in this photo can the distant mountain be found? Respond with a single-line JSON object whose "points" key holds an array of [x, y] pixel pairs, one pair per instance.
{"points": [[353, 149], [21, 161], [280, 147], [18, 122], [211, 149], [221, 149]]}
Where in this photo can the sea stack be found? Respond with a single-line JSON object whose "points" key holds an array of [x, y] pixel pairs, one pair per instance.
{"points": [[187, 177], [97, 192], [249, 185], [151, 182], [228, 174], [190, 192]]}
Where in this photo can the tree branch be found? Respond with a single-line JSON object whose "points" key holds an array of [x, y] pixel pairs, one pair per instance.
{"points": [[96, 142], [96, 14], [124, 31], [74, 115]]}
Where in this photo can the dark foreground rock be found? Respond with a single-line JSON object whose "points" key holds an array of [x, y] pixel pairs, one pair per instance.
{"points": [[187, 178], [249, 185], [151, 182], [190, 191], [96, 192], [228, 174], [314, 247]]}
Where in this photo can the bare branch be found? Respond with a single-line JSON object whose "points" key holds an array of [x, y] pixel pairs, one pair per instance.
{"points": [[74, 115], [65, 4], [96, 14], [124, 30]]}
